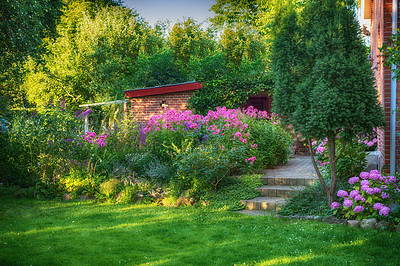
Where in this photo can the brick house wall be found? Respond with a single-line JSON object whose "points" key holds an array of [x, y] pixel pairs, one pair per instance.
{"points": [[146, 102], [143, 108], [381, 31]]}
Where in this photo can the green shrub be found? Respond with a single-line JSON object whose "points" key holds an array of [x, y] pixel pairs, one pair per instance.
{"points": [[229, 197], [273, 142], [200, 170], [110, 188]]}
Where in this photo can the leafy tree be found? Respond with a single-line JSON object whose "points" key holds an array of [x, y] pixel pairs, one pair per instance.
{"points": [[23, 26], [324, 84], [188, 39], [91, 60], [391, 52]]}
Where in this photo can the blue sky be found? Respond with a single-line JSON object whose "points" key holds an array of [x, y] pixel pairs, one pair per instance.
{"points": [[173, 10]]}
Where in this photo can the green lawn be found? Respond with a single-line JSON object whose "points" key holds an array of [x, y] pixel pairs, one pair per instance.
{"points": [[83, 233]]}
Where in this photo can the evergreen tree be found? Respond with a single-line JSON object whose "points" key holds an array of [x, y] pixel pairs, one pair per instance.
{"points": [[324, 84]]}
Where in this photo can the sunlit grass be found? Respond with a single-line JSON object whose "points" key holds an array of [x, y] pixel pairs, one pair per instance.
{"points": [[85, 233]]}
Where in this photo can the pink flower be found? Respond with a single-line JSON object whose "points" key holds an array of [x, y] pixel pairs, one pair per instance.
{"points": [[384, 211], [347, 203], [354, 180], [254, 146], [364, 175], [392, 179], [342, 193], [376, 190], [358, 197], [335, 205], [365, 183], [354, 193], [251, 159], [358, 209], [378, 206], [374, 172]]}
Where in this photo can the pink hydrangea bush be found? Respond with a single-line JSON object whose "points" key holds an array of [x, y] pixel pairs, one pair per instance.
{"points": [[368, 197]]}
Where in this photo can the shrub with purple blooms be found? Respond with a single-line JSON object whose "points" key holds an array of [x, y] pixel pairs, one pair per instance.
{"points": [[370, 196]]}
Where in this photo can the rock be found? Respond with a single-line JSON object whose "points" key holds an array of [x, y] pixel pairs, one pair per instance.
{"points": [[341, 221], [310, 217], [84, 197], [66, 197], [353, 223], [368, 223], [382, 225], [317, 218], [329, 220]]}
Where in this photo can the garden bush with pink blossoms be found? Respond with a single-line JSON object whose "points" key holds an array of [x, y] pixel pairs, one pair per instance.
{"points": [[371, 195], [352, 159], [206, 149]]}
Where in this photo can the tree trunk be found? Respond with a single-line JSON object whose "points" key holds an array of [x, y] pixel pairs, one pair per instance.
{"points": [[332, 164]]}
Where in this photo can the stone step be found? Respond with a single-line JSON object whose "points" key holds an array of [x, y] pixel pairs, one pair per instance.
{"points": [[278, 191], [264, 203], [288, 180]]}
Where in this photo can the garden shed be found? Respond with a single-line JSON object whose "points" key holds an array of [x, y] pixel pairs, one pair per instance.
{"points": [[379, 19], [149, 101]]}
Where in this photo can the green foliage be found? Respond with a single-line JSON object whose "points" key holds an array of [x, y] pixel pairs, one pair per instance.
{"points": [[91, 59], [310, 201], [273, 142], [110, 188], [391, 52], [23, 26], [200, 170], [230, 195], [324, 84]]}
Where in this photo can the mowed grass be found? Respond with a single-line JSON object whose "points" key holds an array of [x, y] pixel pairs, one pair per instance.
{"points": [[83, 233]]}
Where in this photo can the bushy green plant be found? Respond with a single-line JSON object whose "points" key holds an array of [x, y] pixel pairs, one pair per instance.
{"points": [[110, 188], [200, 170], [234, 190]]}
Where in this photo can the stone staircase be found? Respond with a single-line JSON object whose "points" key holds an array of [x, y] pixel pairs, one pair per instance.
{"points": [[281, 182]]}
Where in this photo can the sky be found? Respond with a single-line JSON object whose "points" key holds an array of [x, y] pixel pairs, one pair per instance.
{"points": [[172, 10]]}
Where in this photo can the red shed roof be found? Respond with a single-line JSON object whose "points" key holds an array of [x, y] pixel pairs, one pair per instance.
{"points": [[164, 89]]}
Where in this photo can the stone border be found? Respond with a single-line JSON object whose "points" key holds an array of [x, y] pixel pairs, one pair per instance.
{"points": [[365, 224]]}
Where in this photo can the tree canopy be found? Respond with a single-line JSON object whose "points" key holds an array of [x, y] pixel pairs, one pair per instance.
{"points": [[324, 84]]}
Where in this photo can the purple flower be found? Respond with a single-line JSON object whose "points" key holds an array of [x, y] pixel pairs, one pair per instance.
{"points": [[335, 205], [364, 175], [358, 197], [86, 113], [385, 196], [358, 209], [342, 193], [369, 191], [363, 199], [374, 172], [384, 211], [347, 203], [374, 176], [78, 113], [392, 179], [365, 183], [68, 140], [376, 190], [354, 193], [364, 188], [384, 187], [354, 180], [378, 206]]}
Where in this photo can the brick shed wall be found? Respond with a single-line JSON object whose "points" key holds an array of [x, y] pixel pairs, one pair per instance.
{"points": [[143, 108], [381, 32]]}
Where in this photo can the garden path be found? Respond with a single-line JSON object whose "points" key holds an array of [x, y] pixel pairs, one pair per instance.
{"points": [[280, 182]]}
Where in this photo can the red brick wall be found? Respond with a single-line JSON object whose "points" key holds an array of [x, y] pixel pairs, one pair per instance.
{"points": [[381, 32], [143, 108]]}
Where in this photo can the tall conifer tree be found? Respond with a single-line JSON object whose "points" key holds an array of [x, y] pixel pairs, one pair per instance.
{"points": [[324, 84]]}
